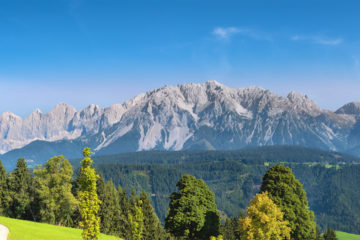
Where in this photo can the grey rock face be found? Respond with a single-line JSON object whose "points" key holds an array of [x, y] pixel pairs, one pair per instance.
{"points": [[188, 116]]}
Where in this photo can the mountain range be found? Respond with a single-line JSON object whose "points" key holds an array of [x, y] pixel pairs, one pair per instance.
{"points": [[189, 116]]}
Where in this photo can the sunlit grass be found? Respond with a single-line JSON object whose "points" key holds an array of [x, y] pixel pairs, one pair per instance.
{"points": [[347, 236], [27, 230]]}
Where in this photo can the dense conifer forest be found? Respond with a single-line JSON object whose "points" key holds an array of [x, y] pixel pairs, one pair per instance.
{"points": [[195, 194], [235, 177]]}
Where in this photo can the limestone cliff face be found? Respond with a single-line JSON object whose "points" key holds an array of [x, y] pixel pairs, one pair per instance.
{"points": [[191, 116]]}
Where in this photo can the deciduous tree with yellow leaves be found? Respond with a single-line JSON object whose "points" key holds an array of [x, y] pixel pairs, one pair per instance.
{"points": [[264, 221]]}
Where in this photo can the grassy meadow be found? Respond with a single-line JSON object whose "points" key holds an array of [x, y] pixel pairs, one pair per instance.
{"points": [[347, 236], [27, 230]]}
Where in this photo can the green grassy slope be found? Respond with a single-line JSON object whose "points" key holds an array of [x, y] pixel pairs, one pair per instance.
{"points": [[27, 230], [347, 236]]}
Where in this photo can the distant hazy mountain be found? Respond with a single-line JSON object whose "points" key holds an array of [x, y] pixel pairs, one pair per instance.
{"points": [[188, 116]]}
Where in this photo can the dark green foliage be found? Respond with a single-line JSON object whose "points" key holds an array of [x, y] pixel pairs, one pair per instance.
{"points": [[289, 195], [231, 182], [330, 234], [4, 189], [19, 190], [109, 208], [152, 226], [318, 233], [192, 210], [252, 156], [332, 195], [123, 225], [230, 229]]}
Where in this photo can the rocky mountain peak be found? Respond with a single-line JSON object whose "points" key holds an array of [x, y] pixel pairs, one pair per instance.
{"points": [[187, 116], [303, 102], [352, 108]]}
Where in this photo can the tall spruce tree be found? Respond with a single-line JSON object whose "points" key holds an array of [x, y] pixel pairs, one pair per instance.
{"points": [[122, 221], [152, 225], [88, 199], [53, 188], [109, 209], [4, 189], [192, 210], [230, 229], [136, 220], [330, 234], [19, 187], [288, 194]]}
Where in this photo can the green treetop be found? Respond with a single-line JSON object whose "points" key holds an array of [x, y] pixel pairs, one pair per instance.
{"points": [[4, 189], [53, 186], [288, 194], [192, 210], [19, 186], [264, 221], [88, 198]]}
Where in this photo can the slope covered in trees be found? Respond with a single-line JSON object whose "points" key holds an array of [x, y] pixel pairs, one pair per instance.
{"points": [[236, 176], [47, 193]]}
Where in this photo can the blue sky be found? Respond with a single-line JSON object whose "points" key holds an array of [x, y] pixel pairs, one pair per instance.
{"points": [[104, 52]]}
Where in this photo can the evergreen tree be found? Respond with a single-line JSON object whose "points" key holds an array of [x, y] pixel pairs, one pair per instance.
{"points": [[319, 236], [230, 229], [88, 198], [53, 188], [122, 221], [152, 226], [109, 209], [19, 188], [136, 220], [4, 189], [330, 234], [264, 221], [288, 194], [192, 211]]}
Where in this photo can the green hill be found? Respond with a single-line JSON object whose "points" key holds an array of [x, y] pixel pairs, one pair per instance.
{"points": [[27, 230], [347, 236]]}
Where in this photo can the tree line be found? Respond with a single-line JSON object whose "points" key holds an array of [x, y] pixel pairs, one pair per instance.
{"points": [[50, 194]]}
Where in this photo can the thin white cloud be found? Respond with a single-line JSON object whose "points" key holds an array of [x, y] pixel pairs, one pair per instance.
{"points": [[227, 32], [318, 40]]}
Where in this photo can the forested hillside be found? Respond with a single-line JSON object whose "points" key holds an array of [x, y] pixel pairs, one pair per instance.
{"points": [[235, 177]]}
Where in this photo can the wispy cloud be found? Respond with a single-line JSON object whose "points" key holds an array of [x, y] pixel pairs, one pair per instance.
{"points": [[227, 32], [318, 40]]}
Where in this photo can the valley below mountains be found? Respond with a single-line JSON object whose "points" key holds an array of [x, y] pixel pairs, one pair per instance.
{"points": [[207, 116]]}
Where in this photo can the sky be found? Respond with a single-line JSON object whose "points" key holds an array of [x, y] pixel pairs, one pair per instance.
{"points": [[108, 51]]}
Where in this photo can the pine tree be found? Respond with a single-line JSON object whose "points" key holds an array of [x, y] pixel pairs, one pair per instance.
{"points": [[4, 189], [109, 209], [122, 221], [136, 220], [192, 211], [288, 194], [88, 199], [230, 229], [330, 234], [19, 188], [264, 221], [152, 226], [53, 188]]}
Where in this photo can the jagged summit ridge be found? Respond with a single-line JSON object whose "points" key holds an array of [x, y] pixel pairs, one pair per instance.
{"points": [[352, 108], [193, 115]]}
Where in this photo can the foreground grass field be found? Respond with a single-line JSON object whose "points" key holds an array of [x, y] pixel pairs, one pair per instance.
{"points": [[347, 236], [27, 230]]}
